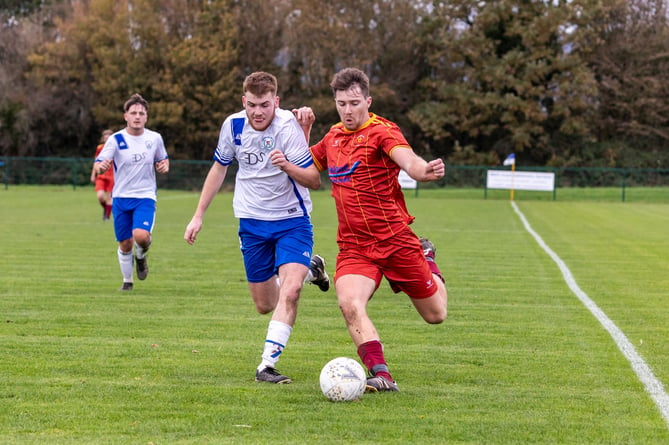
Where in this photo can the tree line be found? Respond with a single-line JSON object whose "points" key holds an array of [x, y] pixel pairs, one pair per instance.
{"points": [[558, 82]]}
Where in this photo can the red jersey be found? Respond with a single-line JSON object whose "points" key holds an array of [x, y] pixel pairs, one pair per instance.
{"points": [[109, 173], [369, 200]]}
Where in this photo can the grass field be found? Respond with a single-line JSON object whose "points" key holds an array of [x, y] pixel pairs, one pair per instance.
{"points": [[519, 360]]}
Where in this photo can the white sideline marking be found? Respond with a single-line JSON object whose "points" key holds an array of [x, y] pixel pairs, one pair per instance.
{"points": [[653, 385]]}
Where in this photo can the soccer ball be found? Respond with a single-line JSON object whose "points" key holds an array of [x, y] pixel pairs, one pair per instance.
{"points": [[343, 379]]}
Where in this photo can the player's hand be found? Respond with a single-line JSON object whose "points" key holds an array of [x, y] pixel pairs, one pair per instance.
{"points": [[163, 166], [305, 116], [435, 169], [278, 159], [103, 166], [192, 230]]}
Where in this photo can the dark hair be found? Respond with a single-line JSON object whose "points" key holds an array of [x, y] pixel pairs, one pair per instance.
{"points": [[107, 132], [349, 78], [260, 83], [135, 99]]}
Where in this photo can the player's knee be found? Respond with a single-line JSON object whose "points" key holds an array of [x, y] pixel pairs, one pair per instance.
{"points": [[126, 245], [263, 309], [290, 292], [349, 311], [435, 317], [142, 237]]}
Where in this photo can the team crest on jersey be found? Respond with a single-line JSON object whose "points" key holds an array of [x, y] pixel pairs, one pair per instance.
{"points": [[268, 142], [148, 144], [360, 139]]}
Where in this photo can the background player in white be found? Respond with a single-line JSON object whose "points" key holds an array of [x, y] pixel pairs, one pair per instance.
{"points": [[134, 153], [271, 200]]}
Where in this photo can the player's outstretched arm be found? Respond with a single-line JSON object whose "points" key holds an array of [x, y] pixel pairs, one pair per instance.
{"points": [[417, 167], [212, 184]]}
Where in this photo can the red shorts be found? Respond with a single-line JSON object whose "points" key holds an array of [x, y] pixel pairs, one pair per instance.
{"points": [[400, 259], [104, 183]]}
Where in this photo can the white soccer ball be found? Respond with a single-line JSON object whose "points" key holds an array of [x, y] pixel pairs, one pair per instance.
{"points": [[343, 379]]}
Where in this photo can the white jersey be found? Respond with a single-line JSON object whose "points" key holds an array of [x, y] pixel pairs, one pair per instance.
{"points": [[134, 162], [262, 191]]}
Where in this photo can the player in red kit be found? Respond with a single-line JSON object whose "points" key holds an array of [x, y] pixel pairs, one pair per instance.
{"points": [[104, 183], [363, 155]]}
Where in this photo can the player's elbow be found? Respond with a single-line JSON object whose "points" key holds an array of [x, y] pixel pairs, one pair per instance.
{"points": [[315, 183]]}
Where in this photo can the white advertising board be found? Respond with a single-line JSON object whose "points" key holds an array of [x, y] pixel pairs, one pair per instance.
{"points": [[406, 181], [521, 180]]}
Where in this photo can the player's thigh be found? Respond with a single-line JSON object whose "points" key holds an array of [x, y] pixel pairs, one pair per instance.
{"points": [[357, 277], [433, 308], [405, 267], [294, 242], [144, 215], [265, 295], [355, 289], [257, 249], [291, 278], [123, 214]]}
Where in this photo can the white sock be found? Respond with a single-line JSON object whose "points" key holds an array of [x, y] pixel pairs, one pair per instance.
{"points": [[125, 261], [310, 276], [277, 338], [140, 252]]}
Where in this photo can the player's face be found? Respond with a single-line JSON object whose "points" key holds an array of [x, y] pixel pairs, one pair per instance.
{"points": [[353, 107], [260, 110], [136, 118]]}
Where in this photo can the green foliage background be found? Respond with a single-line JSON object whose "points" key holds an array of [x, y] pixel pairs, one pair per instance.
{"points": [[560, 83]]}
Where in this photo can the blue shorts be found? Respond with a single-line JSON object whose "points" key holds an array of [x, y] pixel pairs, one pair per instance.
{"points": [[266, 245], [132, 213]]}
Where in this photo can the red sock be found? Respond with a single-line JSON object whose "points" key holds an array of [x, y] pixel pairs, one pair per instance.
{"points": [[371, 354], [108, 210], [435, 270]]}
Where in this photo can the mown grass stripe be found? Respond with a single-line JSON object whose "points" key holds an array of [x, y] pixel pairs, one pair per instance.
{"points": [[640, 367]]}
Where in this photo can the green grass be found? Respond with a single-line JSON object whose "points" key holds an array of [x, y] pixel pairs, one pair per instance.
{"points": [[606, 194], [519, 360]]}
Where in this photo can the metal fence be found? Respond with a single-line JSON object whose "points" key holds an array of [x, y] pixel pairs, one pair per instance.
{"points": [[189, 175]]}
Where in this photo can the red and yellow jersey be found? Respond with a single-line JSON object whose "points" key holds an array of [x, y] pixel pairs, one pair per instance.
{"points": [[109, 174], [369, 200]]}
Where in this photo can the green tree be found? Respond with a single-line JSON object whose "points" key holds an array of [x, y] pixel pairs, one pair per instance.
{"points": [[180, 55], [505, 76], [631, 63], [25, 108], [378, 37], [13, 8]]}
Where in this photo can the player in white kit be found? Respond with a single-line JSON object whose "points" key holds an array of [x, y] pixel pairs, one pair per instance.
{"points": [[271, 200], [135, 153]]}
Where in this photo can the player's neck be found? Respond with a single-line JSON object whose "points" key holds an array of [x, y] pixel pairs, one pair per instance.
{"points": [[134, 131]]}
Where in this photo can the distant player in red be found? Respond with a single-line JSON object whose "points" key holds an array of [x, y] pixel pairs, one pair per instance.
{"points": [[104, 183], [363, 155]]}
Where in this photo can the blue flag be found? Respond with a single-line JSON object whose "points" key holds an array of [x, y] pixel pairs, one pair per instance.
{"points": [[510, 160]]}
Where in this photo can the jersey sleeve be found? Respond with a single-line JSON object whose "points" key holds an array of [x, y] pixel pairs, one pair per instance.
{"points": [[108, 150], [225, 153], [295, 145], [319, 156], [161, 151], [393, 138]]}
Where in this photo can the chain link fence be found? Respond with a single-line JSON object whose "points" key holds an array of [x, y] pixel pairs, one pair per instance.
{"points": [[190, 175]]}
